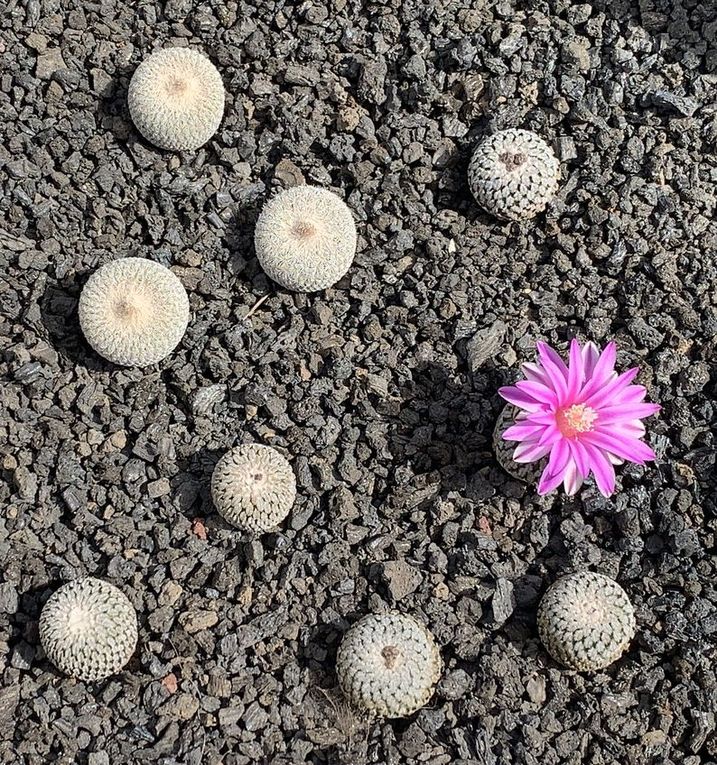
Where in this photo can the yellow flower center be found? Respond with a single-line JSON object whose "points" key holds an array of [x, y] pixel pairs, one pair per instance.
{"points": [[575, 419]]}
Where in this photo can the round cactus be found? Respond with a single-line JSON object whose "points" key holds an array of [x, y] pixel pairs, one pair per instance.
{"points": [[133, 311], [253, 487], [388, 664], [305, 238], [176, 99], [586, 621], [527, 472], [513, 174], [88, 629]]}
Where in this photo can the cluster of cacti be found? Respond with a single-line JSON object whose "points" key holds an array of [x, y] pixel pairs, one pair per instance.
{"points": [[305, 238], [134, 312], [386, 664]]}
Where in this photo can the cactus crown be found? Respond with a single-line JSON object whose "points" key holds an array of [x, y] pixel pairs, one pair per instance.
{"points": [[253, 487], [513, 174], [305, 238], [176, 99], [133, 311], [88, 629], [586, 621], [388, 664]]}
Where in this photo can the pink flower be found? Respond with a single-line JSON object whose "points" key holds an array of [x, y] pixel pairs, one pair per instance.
{"points": [[584, 415]]}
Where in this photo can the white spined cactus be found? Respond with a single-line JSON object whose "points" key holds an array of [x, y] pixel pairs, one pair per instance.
{"points": [[253, 487], [305, 238], [586, 621], [133, 311], [513, 174], [176, 99], [88, 629], [388, 664]]}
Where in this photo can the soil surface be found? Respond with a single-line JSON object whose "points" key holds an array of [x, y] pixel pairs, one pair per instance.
{"points": [[382, 391]]}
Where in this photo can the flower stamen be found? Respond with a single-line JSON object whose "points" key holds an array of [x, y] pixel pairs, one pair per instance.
{"points": [[575, 419]]}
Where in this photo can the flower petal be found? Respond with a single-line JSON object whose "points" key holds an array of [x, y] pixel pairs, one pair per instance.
{"points": [[538, 391], [534, 372], [549, 481], [590, 355], [559, 456], [550, 354], [580, 456], [606, 363], [633, 394], [628, 429], [523, 431], [603, 371], [554, 472], [550, 436], [516, 397], [541, 418], [529, 451], [620, 412], [612, 391], [625, 448], [557, 373], [575, 370], [572, 480], [602, 469]]}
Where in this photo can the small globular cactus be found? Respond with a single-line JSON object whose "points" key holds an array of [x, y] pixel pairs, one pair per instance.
{"points": [[388, 664], [133, 311], [527, 472], [253, 487], [586, 621], [176, 99], [513, 174], [305, 238], [88, 629]]}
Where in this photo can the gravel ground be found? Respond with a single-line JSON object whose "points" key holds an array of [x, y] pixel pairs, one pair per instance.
{"points": [[382, 391]]}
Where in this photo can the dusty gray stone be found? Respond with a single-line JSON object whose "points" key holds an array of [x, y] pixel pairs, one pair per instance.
{"points": [[400, 578], [49, 62]]}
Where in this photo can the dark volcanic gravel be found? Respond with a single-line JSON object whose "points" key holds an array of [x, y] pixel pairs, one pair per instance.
{"points": [[381, 391]]}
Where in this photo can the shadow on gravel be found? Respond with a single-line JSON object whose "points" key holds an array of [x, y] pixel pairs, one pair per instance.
{"points": [[318, 651], [112, 112], [24, 641], [191, 487], [444, 429], [58, 311], [330, 721], [239, 237]]}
